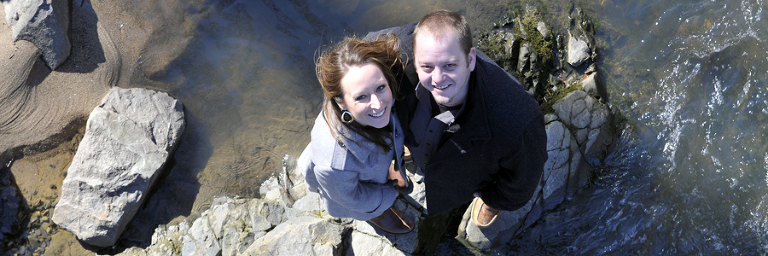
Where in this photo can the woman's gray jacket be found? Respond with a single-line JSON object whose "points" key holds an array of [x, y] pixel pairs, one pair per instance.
{"points": [[351, 177]]}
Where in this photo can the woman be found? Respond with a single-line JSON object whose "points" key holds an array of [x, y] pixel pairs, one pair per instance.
{"points": [[354, 158]]}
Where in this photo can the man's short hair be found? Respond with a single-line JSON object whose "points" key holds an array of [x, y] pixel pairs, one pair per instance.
{"points": [[438, 24]]}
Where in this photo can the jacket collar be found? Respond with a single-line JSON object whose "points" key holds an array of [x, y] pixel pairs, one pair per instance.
{"points": [[358, 145], [476, 113], [472, 117]]}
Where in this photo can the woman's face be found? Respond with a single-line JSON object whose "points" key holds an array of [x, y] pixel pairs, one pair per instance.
{"points": [[366, 94]]}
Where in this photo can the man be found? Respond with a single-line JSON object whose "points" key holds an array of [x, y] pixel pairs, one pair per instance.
{"points": [[471, 127]]}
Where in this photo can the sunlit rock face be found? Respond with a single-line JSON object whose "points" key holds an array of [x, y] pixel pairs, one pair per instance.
{"points": [[127, 141], [45, 23]]}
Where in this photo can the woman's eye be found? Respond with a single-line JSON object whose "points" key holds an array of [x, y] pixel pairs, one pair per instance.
{"points": [[359, 98], [380, 88]]}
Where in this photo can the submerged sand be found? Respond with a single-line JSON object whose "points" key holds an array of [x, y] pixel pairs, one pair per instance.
{"points": [[43, 111]]}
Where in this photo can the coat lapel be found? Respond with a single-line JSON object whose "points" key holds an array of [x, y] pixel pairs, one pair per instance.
{"points": [[473, 126]]}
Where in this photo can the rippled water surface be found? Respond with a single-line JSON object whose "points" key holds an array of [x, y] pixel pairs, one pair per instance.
{"points": [[687, 176]]}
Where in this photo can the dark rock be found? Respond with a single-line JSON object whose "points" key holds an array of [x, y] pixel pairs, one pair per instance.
{"points": [[12, 206]]}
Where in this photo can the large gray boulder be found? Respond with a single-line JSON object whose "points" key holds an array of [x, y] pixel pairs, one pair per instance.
{"points": [[127, 141], [45, 23]]}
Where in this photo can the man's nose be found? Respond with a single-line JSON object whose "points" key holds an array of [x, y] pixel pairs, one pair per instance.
{"points": [[437, 76]]}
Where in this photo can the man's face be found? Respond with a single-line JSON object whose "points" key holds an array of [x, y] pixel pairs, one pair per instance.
{"points": [[443, 68]]}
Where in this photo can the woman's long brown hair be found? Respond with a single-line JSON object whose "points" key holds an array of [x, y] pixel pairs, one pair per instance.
{"points": [[336, 61]]}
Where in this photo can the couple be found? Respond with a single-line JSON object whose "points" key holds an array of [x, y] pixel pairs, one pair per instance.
{"points": [[471, 128]]}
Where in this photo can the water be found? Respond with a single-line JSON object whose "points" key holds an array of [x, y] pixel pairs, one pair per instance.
{"points": [[688, 176], [694, 92]]}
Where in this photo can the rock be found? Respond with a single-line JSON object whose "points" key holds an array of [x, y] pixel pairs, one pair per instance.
{"points": [[11, 212], [310, 204], [501, 45], [288, 186], [593, 85], [524, 58], [45, 23], [524, 47], [561, 166], [169, 241], [578, 50], [201, 240], [360, 243], [557, 167], [127, 142], [166, 240], [230, 222], [581, 39], [267, 215], [235, 226], [301, 236], [542, 27], [592, 122], [418, 196]]}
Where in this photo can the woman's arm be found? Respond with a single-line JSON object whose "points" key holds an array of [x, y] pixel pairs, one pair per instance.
{"points": [[345, 188]]}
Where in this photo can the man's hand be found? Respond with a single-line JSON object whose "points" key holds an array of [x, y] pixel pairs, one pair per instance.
{"points": [[395, 175]]}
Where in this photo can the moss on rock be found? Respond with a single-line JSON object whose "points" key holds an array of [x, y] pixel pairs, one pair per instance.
{"points": [[526, 46]]}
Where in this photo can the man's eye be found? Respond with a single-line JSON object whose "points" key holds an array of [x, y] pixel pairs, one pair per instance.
{"points": [[450, 65], [426, 67]]}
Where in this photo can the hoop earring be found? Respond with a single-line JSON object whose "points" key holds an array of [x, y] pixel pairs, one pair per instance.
{"points": [[347, 117]]}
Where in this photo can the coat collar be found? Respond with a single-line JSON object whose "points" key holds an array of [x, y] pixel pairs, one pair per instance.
{"points": [[473, 116], [358, 145], [476, 114]]}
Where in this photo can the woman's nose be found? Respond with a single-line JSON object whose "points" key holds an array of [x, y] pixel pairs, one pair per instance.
{"points": [[375, 102]]}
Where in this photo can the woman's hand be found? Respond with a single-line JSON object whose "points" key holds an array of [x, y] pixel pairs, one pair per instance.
{"points": [[395, 175]]}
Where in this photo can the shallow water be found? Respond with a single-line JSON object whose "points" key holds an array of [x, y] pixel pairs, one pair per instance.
{"points": [[688, 175]]}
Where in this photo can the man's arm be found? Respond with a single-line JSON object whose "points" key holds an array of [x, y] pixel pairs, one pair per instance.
{"points": [[519, 174]]}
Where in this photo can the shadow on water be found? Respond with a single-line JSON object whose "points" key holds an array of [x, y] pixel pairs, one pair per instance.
{"points": [[249, 81]]}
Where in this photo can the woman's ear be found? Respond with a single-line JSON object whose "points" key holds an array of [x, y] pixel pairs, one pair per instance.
{"points": [[340, 102]]}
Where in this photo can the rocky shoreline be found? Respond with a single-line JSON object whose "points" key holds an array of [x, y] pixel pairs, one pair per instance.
{"points": [[558, 69]]}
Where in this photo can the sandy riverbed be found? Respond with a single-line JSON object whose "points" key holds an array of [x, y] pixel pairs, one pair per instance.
{"points": [[43, 112]]}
